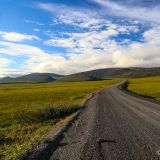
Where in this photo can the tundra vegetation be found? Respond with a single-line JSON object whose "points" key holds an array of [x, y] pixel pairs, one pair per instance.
{"points": [[28, 111], [148, 87]]}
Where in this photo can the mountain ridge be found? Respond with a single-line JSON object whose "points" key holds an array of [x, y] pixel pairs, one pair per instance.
{"points": [[92, 75], [107, 73], [32, 78]]}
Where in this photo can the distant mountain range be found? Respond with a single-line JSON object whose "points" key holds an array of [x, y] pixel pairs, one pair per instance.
{"points": [[98, 74], [32, 78]]}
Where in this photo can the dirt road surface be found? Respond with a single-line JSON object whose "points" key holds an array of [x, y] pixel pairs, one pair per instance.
{"points": [[115, 125]]}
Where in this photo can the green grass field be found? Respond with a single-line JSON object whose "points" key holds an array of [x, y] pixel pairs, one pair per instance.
{"points": [[28, 111], [149, 87]]}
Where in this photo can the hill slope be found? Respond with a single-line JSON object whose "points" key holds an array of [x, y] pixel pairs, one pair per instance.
{"points": [[100, 74], [32, 78], [77, 77]]}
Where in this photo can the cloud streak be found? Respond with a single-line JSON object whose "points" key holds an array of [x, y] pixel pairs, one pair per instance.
{"points": [[76, 16], [17, 37], [148, 14]]}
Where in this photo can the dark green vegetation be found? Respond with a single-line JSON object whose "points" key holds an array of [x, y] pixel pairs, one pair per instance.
{"points": [[148, 87], [32, 78], [77, 78], [108, 73], [28, 111]]}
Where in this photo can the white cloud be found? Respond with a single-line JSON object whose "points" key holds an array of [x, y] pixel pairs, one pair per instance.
{"points": [[127, 28], [66, 43], [17, 37], [153, 36], [4, 62], [82, 18], [149, 14], [37, 60], [78, 17], [33, 22], [91, 47], [81, 42], [12, 72], [94, 50], [36, 29]]}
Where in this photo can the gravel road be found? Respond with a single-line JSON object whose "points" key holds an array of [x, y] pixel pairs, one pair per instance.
{"points": [[114, 126]]}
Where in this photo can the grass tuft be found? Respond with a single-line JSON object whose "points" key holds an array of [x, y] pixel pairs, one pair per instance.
{"points": [[49, 113]]}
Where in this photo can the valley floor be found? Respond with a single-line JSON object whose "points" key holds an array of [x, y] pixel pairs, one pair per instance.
{"points": [[28, 111], [49, 103]]}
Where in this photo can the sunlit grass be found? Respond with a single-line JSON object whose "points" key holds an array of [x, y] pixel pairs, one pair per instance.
{"points": [[27, 111], [149, 87]]}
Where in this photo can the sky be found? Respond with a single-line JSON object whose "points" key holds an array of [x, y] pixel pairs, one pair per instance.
{"points": [[68, 36]]}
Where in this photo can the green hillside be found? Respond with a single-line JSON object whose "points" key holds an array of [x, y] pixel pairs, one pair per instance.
{"points": [[99, 74], [108, 73], [77, 77]]}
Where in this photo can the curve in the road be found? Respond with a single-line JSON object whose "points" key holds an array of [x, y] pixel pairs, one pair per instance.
{"points": [[114, 126]]}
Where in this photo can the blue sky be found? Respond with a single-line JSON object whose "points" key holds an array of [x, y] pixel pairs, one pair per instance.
{"points": [[70, 36]]}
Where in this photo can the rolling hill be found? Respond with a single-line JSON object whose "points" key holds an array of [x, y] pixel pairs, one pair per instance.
{"points": [[77, 77], [32, 78], [98, 74], [108, 73]]}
